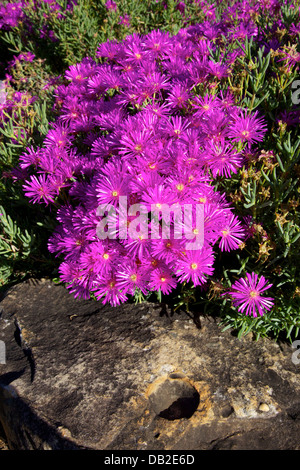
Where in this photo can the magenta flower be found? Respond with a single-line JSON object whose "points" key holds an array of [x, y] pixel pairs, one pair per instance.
{"points": [[167, 250], [40, 189], [110, 188], [195, 266], [139, 247], [155, 198], [109, 49], [176, 126], [125, 20], [30, 157], [217, 69], [110, 5], [181, 7], [79, 284], [232, 234], [179, 95], [132, 277], [222, 159], [162, 279], [158, 42], [205, 104], [246, 295], [107, 289], [135, 143], [248, 128], [98, 258]]}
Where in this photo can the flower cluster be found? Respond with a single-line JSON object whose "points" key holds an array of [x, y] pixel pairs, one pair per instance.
{"points": [[16, 14], [134, 126], [11, 14]]}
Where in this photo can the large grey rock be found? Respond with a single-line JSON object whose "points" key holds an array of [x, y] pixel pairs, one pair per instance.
{"points": [[80, 375]]}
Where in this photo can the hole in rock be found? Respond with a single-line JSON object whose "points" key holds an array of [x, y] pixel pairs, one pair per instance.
{"points": [[183, 407]]}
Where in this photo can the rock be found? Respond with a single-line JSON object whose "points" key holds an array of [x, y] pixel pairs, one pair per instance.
{"points": [[80, 375], [173, 398], [264, 408]]}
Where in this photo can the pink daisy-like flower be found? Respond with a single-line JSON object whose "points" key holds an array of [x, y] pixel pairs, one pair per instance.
{"points": [[167, 250], [125, 20], [78, 282], [110, 5], [205, 104], [40, 188], [246, 294], [30, 157], [161, 278], [98, 257], [106, 288], [135, 142], [248, 128], [155, 198], [158, 42], [140, 246], [232, 234], [110, 49], [222, 158], [179, 95], [217, 69], [58, 137], [110, 188], [176, 126], [130, 278], [195, 265]]}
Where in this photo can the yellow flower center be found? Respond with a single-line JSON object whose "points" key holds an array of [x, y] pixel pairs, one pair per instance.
{"points": [[115, 193], [194, 265], [133, 277], [254, 294], [163, 279], [180, 186], [106, 256]]}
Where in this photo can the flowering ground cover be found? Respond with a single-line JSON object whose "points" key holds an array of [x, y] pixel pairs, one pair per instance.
{"points": [[156, 155]]}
